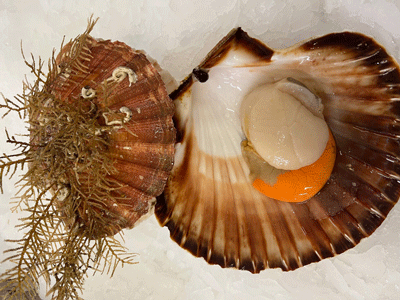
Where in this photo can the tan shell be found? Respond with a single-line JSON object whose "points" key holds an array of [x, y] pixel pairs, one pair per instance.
{"points": [[135, 128], [216, 214]]}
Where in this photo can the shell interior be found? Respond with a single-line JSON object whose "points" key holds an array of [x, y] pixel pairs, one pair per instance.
{"points": [[209, 204]]}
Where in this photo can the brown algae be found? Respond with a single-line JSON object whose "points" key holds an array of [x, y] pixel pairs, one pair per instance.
{"points": [[101, 145]]}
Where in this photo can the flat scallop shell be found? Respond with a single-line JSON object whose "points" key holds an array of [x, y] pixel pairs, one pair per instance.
{"points": [[136, 114], [209, 204]]}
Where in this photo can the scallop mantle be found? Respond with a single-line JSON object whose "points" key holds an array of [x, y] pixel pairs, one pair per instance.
{"points": [[209, 204]]}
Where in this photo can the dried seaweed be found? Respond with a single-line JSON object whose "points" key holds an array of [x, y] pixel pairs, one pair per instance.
{"points": [[64, 143]]}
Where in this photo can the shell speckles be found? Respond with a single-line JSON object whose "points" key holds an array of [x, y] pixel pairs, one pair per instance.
{"points": [[210, 205]]}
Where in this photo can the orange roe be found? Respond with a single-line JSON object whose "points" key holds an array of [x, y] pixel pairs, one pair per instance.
{"points": [[301, 184]]}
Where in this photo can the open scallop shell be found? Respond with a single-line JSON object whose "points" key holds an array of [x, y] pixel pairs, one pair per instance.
{"points": [[209, 204], [133, 127]]}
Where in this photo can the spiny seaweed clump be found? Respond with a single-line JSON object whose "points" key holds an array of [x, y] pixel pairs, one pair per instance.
{"points": [[65, 175]]}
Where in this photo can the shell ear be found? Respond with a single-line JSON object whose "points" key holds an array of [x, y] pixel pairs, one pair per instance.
{"points": [[210, 205]]}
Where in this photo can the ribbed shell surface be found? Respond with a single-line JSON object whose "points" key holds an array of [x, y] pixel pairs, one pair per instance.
{"points": [[142, 148], [209, 204]]}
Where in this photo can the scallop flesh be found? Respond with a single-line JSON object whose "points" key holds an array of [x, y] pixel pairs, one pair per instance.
{"points": [[284, 157]]}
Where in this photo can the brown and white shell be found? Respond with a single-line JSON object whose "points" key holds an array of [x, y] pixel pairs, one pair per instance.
{"points": [[133, 124], [209, 204]]}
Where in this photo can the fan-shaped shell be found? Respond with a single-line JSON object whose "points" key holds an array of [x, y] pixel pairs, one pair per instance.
{"points": [[209, 205], [134, 125]]}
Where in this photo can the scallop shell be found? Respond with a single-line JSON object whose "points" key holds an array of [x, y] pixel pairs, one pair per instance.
{"points": [[134, 128], [209, 204]]}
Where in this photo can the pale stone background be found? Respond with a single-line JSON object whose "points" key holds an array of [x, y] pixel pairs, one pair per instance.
{"points": [[179, 34]]}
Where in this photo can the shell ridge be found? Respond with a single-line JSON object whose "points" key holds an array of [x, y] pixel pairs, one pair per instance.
{"points": [[269, 237], [151, 181], [189, 217], [230, 226], [180, 206], [138, 153], [306, 249], [312, 228], [210, 111], [367, 219], [209, 170], [377, 141], [208, 226], [283, 234], [381, 161], [258, 242], [383, 127], [343, 221], [339, 241], [368, 175], [215, 173], [359, 196], [372, 107], [367, 207], [236, 203], [359, 225], [241, 210]]}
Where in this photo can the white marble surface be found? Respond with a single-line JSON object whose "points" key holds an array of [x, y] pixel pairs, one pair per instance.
{"points": [[178, 34]]}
